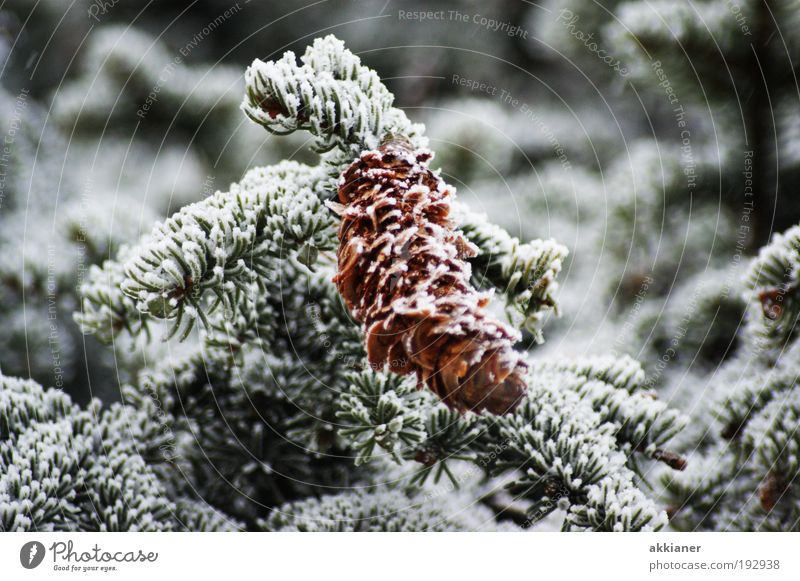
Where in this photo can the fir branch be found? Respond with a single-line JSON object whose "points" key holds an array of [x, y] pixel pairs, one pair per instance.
{"points": [[64, 468], [377, 412], [330, 94], [525, 274], [222, 245], [380, 510], [774, 277]]}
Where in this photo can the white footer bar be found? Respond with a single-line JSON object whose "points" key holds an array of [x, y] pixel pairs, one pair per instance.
{"points": [[381, 556]]}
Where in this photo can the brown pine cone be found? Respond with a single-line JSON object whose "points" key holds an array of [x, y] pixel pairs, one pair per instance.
{"points": [[403, 274]]}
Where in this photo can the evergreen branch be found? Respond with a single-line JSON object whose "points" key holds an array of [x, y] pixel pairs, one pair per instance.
{"points": [[342, 103], [64, 468], [378, 413], [380, 510], [105, 309], [524, 273], [222, 245], [774, 277]]}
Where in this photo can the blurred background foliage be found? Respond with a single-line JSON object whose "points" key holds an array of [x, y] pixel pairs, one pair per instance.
{"points": [[624, 130]]}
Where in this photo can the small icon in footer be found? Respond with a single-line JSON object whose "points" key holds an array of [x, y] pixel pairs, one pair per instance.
{"points": [[31, 554]]}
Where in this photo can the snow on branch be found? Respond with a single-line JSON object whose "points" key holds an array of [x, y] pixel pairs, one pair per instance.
{"points": [[342, 103]]}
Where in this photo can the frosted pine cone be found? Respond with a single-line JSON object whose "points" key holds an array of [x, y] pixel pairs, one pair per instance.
{"points": [[403, 273]]}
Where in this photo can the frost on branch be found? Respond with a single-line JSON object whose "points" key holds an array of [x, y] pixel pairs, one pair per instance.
{"points": [[525, 274], [379, 511], [63, 468], [615, 389], [573, 443], [774, 278], [379, 410], [330, 94], [219, 246], [571, 446], [274, 404], [105, 309], [744, 473]]}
